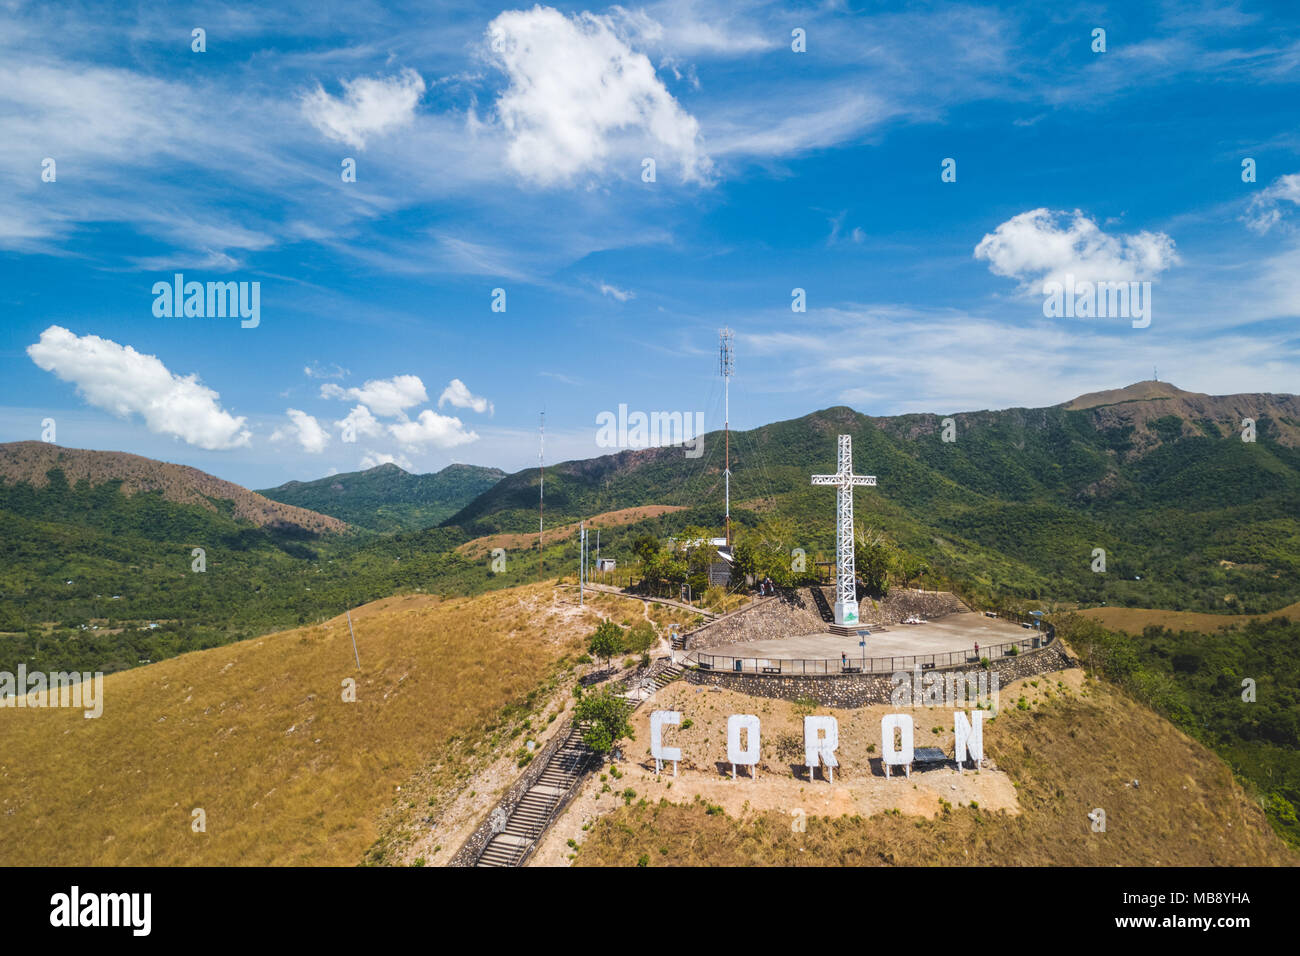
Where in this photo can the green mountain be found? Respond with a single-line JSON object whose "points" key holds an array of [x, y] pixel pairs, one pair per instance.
{"points": [[99, 570], [387, 498], [1189, 515]]}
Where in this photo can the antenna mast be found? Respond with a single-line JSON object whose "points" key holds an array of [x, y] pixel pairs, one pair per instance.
{"points": [[727, 366], [541, 496]]}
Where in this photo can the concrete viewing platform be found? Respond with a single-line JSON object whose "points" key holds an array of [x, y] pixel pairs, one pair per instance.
{"points": [[951, 634]]}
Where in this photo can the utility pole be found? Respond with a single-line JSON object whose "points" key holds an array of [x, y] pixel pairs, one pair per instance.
{"points": [[727, 365], [582, 562]]}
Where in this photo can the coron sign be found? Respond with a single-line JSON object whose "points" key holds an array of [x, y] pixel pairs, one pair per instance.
{"points": [[821, 740]]}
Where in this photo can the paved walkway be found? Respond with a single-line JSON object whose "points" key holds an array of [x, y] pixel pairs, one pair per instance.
{"points": [[954, 632]]}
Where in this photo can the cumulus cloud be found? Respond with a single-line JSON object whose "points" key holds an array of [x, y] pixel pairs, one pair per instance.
{"points": [[359, 423], [369, 106], [1043, 245], [430, 428], [459, 395], [373, 459], [125, 382], [1265, 210], [305, 430], [388, 397], [576, 89]]}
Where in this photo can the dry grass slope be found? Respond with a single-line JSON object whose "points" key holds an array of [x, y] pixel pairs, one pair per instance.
{"points": [[1134, 620], [479, 547], [257, 734]]}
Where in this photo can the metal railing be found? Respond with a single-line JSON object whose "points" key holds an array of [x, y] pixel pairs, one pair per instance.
{"points": [[1034, 639]]}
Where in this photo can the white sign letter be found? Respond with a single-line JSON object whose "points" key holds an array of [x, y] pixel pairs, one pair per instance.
{"points": [[749, 756], [821, 749], [657, 748], [902, 757]]}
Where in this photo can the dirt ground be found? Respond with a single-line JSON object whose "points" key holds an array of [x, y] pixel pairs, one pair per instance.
{"points": [[859, 787]]}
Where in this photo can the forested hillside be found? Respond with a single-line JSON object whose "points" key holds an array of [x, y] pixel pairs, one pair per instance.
{"points": [[388, 498]]}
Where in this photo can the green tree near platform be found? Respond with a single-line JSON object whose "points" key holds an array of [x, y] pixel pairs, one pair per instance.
{"points": [[607, 641], [876, 559], [606, 717]]}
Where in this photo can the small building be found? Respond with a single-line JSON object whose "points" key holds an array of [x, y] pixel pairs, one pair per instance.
{"points": [[604, 564]]}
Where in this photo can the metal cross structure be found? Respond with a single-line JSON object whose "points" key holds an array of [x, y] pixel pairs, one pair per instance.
{"points": [[846, 588]]}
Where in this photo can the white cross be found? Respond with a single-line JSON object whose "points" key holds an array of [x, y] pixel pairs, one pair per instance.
{"points": [[846, 588]]}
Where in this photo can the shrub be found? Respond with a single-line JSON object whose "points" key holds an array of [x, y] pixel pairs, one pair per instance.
{"points": [[789, 748], [606, 717]]}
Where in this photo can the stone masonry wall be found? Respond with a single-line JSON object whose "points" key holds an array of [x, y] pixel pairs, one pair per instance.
{"points": [[859, 690]]}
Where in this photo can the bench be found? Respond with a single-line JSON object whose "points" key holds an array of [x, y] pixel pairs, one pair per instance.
{"points": [[768, 667]]}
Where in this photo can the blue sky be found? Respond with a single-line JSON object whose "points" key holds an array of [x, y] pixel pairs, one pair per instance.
{"points": [[502, 148]]}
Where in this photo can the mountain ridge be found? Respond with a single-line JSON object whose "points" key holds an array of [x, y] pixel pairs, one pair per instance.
{"points": [[30, 462], [387, 497]]}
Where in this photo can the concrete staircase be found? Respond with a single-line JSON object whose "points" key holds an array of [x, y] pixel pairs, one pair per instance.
{"points": [[667, 676], [559, 780], [535, 810]]}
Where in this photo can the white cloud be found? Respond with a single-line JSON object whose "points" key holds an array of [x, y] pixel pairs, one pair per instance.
{"points": [[123, 381], [622, 295], [361, 423], [305, 430], [430, 428], [459, 395], [1034, 248], [577, 90], [373, 459], [332, 370], [1265, 210], [369, 106], [388, 397]]}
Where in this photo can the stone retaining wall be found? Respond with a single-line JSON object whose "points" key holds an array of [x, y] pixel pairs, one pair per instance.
{"points": [[859, 690]]}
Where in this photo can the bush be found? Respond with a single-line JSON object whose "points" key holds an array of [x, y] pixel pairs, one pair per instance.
{"points": [[640, 638], [606, 717], [789, 748], [606, 641]]}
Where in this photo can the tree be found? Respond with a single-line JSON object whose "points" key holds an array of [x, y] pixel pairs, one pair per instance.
{"points": [[912, 569], [605, 715], [606, 641], [875, 559], [640, 637], [646, 548]]}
